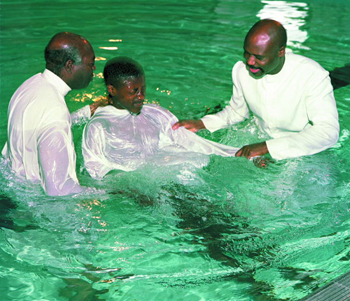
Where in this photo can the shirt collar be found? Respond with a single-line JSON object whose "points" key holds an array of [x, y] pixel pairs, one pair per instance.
{"points": [[60, 85], [109, 109]]}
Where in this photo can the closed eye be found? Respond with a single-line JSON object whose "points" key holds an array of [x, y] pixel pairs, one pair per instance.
{"points": [[258, 57]]}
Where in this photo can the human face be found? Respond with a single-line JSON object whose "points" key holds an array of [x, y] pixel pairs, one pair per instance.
{"points": [[262, 56], [83, 72], [129, 95]]}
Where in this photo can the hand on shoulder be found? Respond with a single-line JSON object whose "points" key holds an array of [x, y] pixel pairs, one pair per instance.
{"points": [[102, 101], [189, 124]]}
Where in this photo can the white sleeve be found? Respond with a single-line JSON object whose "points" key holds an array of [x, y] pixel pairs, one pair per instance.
{"points": [[81, 115], [57, 160], [235, 112], [194, 143], [323, 130]]}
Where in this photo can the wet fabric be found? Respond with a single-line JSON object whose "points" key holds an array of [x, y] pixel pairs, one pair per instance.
{"points": [[296, 107], [39, 146], [117, 139]]}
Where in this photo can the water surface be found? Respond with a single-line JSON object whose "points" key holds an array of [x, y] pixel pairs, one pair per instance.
{"points": [[229, 231]]}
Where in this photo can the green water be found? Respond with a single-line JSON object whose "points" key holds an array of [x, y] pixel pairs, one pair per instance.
{"points": [[230, 231]]}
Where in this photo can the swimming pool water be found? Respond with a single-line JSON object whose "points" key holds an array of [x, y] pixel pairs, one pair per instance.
{"points": [[229, 231]]}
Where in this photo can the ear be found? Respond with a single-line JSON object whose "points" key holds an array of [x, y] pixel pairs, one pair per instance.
{"points": [[69, 66], [282, 51], [111, 90]]}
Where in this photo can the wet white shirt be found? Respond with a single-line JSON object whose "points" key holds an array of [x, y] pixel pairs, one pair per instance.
{"points": [[39, 146], [116, 139], [296, 107]]}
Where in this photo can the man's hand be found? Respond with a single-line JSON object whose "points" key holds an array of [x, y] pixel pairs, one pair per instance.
{"points": [[191, 125], [262, 162], [253, 150], [103, 101]]}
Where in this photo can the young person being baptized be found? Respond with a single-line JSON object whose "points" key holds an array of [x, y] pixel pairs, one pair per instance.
{"points": [[126, 134]]}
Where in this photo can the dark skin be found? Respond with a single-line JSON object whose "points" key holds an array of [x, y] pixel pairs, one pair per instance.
{"points": [[264, 52], [75, 75], [128, 94]]}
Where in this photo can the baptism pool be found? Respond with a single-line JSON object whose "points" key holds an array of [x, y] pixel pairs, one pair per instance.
{"points": [[227, 232]]}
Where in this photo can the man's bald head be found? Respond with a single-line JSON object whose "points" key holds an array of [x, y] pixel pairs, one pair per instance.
{"points": [[62, 47], [71, 57], [264, 48], [269, 30]]}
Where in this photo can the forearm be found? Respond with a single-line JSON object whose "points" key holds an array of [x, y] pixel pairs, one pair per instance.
{"points": [[312, 140], [231, 114], [192, 142]]}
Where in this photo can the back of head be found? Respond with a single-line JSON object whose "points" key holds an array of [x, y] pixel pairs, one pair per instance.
{"points": [[272, 29], [62, 47], [121, 68]]}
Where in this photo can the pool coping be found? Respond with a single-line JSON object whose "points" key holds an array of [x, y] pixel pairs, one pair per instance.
{"points": [[336, 290]]}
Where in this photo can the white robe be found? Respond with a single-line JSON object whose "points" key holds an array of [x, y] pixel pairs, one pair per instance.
{"points": [[39, 144], [116, 139], [296, 107]]}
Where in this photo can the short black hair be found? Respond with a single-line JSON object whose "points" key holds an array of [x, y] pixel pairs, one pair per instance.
{"points": [[121, 68]]}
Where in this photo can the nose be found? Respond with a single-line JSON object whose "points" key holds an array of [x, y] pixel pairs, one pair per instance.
{"points": [[141, 94], [250, 60]]}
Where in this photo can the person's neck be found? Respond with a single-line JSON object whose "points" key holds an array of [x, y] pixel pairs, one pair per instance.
{"points": [[121, 107]]}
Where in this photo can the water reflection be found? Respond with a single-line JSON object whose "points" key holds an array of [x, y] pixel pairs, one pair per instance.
{"points": [[292, 15]]}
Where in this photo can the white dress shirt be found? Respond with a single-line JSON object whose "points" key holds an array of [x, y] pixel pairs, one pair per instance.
{"points": [[295, 107], [39, 146], [117, 139]]}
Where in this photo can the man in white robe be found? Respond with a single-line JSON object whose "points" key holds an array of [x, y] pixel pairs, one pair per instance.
{"points": [[127, 134], [39, 145], [291, 97]]}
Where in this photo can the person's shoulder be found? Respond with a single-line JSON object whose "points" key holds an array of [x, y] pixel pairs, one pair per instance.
{"points": [[44, 90], [42, 97], [96, 121], [305, 70], [102, 110], [32, 85], [102, 113], [34, 78], [240, 73], [239, 66], [239, 69], [156, 111], [302, 61], [149, 108]]}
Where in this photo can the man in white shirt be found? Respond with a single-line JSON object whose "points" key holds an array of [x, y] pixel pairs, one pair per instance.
{"points": [[39, 144], [127, 134], [290, 95]]}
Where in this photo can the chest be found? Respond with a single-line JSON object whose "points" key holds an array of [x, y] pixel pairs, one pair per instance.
{"points": [[135, 133], [279, 101]]}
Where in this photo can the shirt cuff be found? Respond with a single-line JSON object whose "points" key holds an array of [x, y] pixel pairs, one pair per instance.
{"points": [[278, 148], [213, 123]]}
